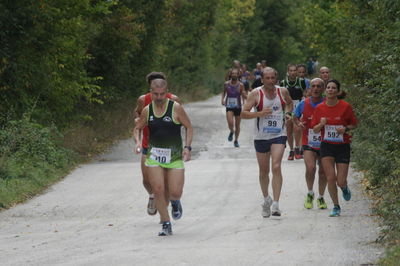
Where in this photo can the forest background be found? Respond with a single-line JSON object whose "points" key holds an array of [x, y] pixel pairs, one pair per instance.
{"points": [[72, 69]]}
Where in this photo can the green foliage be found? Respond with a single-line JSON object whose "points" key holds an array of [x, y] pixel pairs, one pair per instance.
{"points": [[360, 40], [30, 158], [43, 58]]}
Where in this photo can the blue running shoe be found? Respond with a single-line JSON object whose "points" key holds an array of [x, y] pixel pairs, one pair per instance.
{"points": [[236, 144], [176, 211], [166, 229], [335, 211], [230, 137], [346, 193]]}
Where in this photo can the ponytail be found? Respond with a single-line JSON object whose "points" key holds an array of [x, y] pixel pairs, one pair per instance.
{"points": [[342, 94]]}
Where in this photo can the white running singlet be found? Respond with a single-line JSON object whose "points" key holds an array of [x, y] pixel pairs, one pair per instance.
{"points": [[273, 125]]}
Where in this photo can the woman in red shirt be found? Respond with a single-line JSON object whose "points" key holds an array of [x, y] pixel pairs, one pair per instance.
{"points": [[334, 118]]}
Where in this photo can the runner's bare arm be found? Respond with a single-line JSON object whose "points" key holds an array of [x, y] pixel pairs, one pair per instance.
{"points": [[223, 95], [289, 102], [251, 102], [243, 92], [139, 106], [182, 117], [139, 125]]}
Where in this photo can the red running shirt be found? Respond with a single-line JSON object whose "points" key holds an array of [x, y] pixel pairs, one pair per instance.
{"points": [[306, 117], [147, 101], [339, 115]]}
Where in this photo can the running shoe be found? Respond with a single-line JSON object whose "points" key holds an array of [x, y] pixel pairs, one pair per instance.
{"points": [[176, 211], [297, 154], [346, 193], [166, 229], [308, 204], [230, 137], [151, 207], [291, 156], [335, 211], [275, 210], [266, 208], [236, 144], [321, 204]]}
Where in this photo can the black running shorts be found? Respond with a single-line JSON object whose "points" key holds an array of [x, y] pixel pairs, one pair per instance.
{"points": [[341, 152], [236, 111], [264, 146]]}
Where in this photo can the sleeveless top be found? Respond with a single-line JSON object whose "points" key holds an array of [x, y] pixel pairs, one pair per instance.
{"points": [[273, 125], [233, 96], [165, 141], [147, 101], [295, 89]]}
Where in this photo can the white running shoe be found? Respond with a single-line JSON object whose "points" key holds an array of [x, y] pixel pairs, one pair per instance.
{"points": [[266, 208], [275, 210]]}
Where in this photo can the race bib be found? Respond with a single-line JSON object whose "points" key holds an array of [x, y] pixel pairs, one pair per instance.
{"points": [[160, 155], [273, 124], [331, 133], [314, 139], [232, 102]]}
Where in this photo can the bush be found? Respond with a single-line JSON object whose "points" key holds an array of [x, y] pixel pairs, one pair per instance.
{"points": [[31, 158]]}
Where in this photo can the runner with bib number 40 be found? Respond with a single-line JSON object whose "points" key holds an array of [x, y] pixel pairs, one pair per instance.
{"points": [[165, 157], [334, 118]]}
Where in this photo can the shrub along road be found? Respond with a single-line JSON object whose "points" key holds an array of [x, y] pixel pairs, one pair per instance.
{"points": [[97, 215]]}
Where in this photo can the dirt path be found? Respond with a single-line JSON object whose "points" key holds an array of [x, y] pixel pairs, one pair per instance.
{"points": [[97, 215]]}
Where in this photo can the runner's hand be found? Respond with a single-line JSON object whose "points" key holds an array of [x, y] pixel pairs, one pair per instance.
{"points": [[266, 111], [138, 148], [186, 154], [341, 130], [302, 125]]}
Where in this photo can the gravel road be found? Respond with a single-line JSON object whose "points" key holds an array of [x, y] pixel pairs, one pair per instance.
{"points": [[97, 214]]}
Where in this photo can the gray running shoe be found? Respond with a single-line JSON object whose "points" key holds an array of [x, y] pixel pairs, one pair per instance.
{"points": [[275, 210], [266, 208], [151, 207], [166, 229]]}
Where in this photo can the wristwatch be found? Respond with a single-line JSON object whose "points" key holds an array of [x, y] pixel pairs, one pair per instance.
{"points": [[188, 147]]}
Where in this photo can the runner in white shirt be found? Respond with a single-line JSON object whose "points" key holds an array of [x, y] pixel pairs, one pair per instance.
{"points": [[273, 106]]}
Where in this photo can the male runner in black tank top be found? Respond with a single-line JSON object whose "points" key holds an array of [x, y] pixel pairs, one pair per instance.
{"points": [[165, 157]]}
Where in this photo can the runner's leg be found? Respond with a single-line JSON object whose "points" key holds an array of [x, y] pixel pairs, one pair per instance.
{"points": [[157, 175], [263, 165], [237, 127], [310, 161], [276, 156], [229, 119], [328, 163]]}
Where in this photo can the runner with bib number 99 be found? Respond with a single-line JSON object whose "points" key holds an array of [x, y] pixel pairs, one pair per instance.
{"points": [[165, 156], [311, 143], [273, 106], [334, 118]]}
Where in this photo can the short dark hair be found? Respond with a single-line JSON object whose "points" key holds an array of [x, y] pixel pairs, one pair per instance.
{"points": [[302, 65]]}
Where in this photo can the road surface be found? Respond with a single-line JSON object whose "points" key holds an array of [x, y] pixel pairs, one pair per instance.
{"points": [[97, 214]]}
